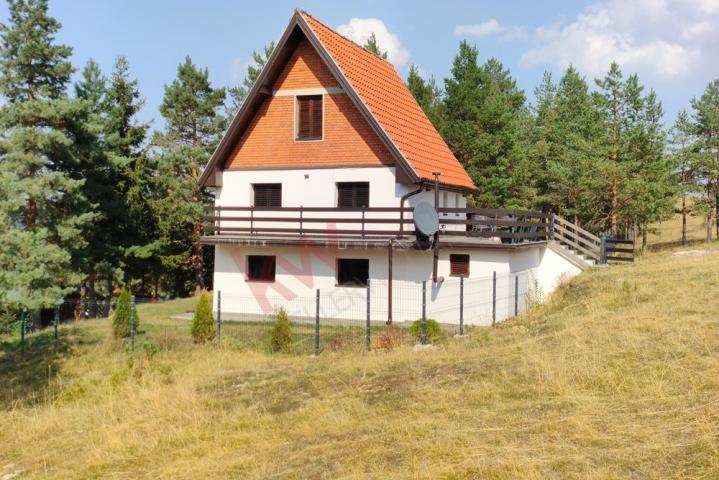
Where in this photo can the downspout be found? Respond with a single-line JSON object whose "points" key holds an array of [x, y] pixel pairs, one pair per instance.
{"points": [[402, 199], [435, 243]]}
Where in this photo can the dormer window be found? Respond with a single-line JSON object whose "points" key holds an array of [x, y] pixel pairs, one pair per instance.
{"points": [[309, 118]]}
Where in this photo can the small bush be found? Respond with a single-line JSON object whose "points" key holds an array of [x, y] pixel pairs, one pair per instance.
{"points": [[281, 340], [121, 317], [390, 339], [434, 331], [203, 324]]}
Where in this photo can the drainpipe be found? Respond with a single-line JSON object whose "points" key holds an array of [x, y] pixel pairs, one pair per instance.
{"points": [[401, 204], [435, 243]]}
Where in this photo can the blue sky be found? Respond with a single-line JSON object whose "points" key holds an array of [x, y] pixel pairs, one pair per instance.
{"points": [[670, 43]]}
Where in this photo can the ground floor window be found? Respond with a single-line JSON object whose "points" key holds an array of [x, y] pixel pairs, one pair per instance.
{"points": [[459, 265], [261, 268], [352, 271]]}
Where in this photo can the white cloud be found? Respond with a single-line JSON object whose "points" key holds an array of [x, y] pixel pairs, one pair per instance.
{"points": [[657, 38], [490, 28], [360, 29]]}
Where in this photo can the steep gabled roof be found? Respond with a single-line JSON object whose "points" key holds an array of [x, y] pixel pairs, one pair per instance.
{"points": [[376, 90]]}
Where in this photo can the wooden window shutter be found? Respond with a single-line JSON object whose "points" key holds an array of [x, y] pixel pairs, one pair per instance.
{"points": [[459, 265], [267, 194], [309, 117], [353, 194]]}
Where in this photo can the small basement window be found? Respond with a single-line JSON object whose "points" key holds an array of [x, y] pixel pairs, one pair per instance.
{"points": [[353, 194], [352, 272], [261, 268], [267, 194], [309, 118], [459, 265]]}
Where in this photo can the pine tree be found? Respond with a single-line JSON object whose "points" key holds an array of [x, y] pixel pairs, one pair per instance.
{"points": [[483, 111], [373, 47], [42, 210], [706, 120], [124, 138], [426, 93], [569, 131], [193, 129], [687, 165], [238, 94]]}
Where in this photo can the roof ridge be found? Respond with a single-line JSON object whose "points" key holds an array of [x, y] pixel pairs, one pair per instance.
{"points": [[355, 44]]}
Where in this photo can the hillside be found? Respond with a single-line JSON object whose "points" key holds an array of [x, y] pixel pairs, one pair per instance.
{"points": [[617, 377]]}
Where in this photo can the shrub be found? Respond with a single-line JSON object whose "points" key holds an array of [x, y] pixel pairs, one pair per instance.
{"points": [[434, 331], [281, 340], [203, 324], [121, 317], [388, 340]]}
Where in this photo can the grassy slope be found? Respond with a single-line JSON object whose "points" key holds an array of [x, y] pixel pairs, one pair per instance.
{"points": [[618, 377]]}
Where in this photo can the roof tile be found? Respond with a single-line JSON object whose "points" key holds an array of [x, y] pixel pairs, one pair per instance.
{"points": [[392, 104]]}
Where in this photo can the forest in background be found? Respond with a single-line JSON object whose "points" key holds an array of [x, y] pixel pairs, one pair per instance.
{"points": [[92, 199]]}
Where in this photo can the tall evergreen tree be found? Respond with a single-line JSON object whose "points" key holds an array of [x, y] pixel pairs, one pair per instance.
{"points": [[373, 47], [706, 119], [483, 112], [426, 93], [193, 129], [687, 165], [570, 134], [42, 209], [239, 93], [124, 139]]}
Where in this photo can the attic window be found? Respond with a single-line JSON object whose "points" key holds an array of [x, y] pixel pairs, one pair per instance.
{"points": [[309, 117]]}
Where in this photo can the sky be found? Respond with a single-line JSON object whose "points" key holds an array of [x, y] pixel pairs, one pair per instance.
{"points": [[670, 44]]}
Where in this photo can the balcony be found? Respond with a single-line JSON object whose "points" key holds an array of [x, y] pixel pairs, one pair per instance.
{"points": [[370, 227]]}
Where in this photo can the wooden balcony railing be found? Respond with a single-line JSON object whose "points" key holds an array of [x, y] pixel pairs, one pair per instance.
{"points": [[509, 226]]}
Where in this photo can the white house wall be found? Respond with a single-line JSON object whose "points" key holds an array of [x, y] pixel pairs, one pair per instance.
{"points": [[300, 271], [316, 187]]}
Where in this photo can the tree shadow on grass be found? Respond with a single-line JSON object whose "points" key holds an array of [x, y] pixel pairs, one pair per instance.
{"points": [[27, 371]]}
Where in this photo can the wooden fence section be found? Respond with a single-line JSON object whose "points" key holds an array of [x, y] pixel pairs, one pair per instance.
{"points": [[617, 250], [576, 238], [508, 226]]}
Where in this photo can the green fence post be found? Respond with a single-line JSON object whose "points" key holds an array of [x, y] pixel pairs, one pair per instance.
{"points": [[218, 320], [461, 305], [132, 322], [368, 327], [317, 323], [423, 338], [494, 298]]}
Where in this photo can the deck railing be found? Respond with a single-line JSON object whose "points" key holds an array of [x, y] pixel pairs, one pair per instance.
{"points": [[509, 226]]}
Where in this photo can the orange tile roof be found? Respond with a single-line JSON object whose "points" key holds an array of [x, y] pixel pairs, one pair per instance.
{"points": [[393, 106]]}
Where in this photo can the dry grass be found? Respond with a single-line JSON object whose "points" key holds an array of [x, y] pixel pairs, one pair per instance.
{"points": [[618, 377], [668, 234]]}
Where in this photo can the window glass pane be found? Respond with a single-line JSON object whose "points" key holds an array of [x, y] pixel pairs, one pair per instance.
{"points": [[261, 267], [352, 271]]}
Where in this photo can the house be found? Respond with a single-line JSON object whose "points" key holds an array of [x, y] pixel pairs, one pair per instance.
{"points": [[316, 181]]}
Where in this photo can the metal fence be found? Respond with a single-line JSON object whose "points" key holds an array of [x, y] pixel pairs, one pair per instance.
{"points": [[357, 318], [336, 320]]}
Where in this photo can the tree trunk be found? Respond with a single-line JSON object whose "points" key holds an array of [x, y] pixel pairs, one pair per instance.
{"points": [[645, 241], [709, 212], [92, 294], [684, 220], [199, 262], [109, 297]]}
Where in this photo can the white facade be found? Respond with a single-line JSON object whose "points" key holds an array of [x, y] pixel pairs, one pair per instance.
{"points": [[302, 270]]}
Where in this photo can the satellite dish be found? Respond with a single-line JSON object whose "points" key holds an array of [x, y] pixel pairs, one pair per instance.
{"points": [[426, 224]]}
